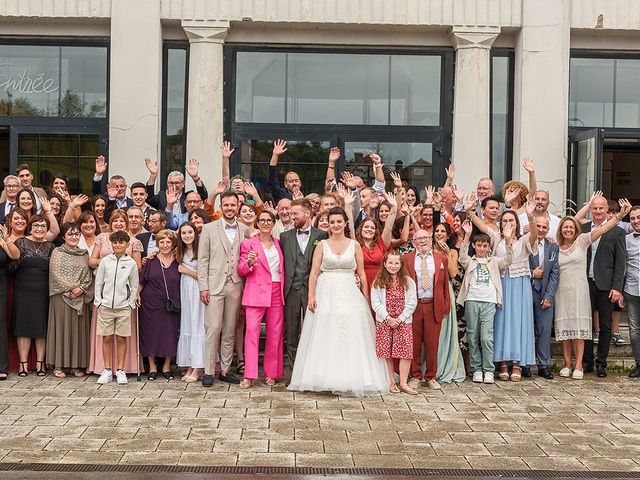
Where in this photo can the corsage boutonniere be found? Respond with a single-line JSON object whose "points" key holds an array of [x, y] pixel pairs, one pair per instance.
{"points": [[315, 242]]}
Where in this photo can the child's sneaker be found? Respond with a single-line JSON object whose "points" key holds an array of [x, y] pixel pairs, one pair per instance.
{"points": [[121, 377], [596, 337], [488, 377], [105, 377], [477, 377]]}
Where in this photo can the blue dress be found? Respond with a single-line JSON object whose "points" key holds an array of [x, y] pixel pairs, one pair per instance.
{"points": [[514, 337]]}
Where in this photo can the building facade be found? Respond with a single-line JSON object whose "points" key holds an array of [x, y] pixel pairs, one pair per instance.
{"points": [[482, 83]]}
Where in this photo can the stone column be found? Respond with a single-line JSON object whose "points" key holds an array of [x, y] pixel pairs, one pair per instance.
{"points": [[541, 94], [471, 112], [205, 106], [135, 83]]}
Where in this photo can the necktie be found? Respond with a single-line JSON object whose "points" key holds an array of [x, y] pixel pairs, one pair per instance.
{"points": [[303, 232], [424, 272]]}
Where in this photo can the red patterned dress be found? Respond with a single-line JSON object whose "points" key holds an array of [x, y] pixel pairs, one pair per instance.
{"points": [[394, 342]]}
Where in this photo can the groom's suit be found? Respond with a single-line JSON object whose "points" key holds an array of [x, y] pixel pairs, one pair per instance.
{"points": [[297, 265]]}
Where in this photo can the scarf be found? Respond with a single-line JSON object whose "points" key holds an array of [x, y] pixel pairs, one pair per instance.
{"points": [[69, 269]]}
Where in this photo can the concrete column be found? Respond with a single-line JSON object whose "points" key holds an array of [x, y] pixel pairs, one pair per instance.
{"points": [[205, 106], [135, 96], [541, 94], [471, 113]]}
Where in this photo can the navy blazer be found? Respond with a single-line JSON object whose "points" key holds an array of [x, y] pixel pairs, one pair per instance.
{"points": [[159, 200], [274, 187], [551, 271]]}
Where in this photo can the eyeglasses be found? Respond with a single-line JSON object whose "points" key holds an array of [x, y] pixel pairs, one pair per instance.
{"points": [[12, 186], [39, 226], [174, 183], [265, 221], [420, 239], [73, 234]]}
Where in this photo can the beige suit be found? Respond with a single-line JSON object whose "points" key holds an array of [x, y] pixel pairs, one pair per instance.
{"points": [[218, 273], [38, 192]]}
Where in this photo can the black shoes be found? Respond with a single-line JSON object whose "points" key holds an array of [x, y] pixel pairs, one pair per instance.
{"points": [[526, 372], [229, 378], [601, 372], [207, 380], [635, 373], [545, 373], [587, 368]]}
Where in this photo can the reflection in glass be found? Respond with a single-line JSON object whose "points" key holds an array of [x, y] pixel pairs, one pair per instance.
{"points": [[52, 81], [337, 88], [499, 120], [175, 88], [591, 92], [413, 161], [627, 94]]}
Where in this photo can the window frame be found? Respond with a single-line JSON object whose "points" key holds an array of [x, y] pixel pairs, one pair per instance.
{"points": [[508, 169]]}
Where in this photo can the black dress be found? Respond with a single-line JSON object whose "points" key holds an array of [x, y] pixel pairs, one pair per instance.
{"points": [[31, 289], [4, 342]]}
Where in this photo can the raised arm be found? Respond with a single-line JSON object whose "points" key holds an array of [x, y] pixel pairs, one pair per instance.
{"points": [[470, 208], [192, 170], [451, 172], [404, 233], [581, 215], [330, 178], [73, 212], [625, 208], [531, 169], [388, 224], [533, 228], [377, 169], [227, 150], [349, 198], [54, 228], [279, 147], [252, 191], [464, 246]]}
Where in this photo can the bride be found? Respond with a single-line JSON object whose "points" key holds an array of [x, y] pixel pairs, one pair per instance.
{"points": [[337, 349]]}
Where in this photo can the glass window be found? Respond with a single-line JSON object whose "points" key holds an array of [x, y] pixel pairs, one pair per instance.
{"points": [[500, 127], [413, 161], [338, 88], [591, 92], [53, 81], [174, 102], [627, 94]]}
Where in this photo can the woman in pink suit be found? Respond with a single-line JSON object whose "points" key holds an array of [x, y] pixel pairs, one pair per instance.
{"points": [[262, 263]]}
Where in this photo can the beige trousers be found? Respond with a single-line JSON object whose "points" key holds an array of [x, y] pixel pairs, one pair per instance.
{"points": [[219, 327]]}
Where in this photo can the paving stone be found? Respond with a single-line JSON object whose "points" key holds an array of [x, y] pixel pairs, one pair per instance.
{"points": [[336, 424], [215, 434], [189, 422], [476, 437], [75, 444], [93, 421], [241, 446], [297, 446], [267, 459], [424, 437], [128, 444], [571, 450], [421, 461], [334, 460], [214, 459], [406, 448], [360, 446], [491, 463], [382, 461], [110, 432], [517, 450], [553, 463], [149, 458], [328, 435], [186, 445], [390, 436], [93, 458], [268, 434], [232, 423], [17, 431], [23, 443], [451, 449], [21, 456], [57, 431]]}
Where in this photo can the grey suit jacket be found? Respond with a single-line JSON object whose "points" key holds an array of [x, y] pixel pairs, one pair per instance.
{"points": [[289, 243], [551, 271], [216, 257]]}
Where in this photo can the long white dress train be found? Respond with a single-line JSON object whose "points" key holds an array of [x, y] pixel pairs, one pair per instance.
{"points": [[337, 348]]}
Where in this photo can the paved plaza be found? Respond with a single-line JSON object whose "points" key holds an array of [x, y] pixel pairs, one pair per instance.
{"points": [[536, 424]]}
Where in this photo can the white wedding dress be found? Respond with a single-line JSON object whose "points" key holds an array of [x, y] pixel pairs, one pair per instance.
{"points": [[337, 348]]}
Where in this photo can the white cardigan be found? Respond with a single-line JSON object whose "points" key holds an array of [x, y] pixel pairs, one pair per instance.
{"points": [[379, 302]]}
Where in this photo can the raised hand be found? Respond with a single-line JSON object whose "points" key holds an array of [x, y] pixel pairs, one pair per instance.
{"points": [[450, 171], [511, 195], [597, 193], [334, 154], [625, 207], [296, 193], [151, 166], [172, 196], [250, 189], [221, 187], [429, 189], [101, 165], [530, 207], [397, 181], [471, 202], [467, 227], [349, 180], [375, 158], [437, 197], [391, 199], [528, 165], [227, 150], [192, 168], [79, 201], [459, 193], [46, 206], [443, 245], [508, 233], [268, 206], [112, 191], [279, 147]]}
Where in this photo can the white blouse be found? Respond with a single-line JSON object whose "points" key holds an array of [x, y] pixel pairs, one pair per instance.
{"points": [[274, 262], [521, 250]]}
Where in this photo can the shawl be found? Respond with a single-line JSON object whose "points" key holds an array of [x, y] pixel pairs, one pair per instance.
{"points": [[69, 269]]}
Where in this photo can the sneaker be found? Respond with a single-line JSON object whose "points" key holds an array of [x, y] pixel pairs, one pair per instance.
{"points": [[121, 377], [488, 377], [477, 377], [596, 337], [614, 337], [620, 340], [565, 372], [105, 376], [578, 375]]}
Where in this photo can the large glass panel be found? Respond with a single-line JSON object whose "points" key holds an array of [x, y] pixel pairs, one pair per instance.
{"points": [[499, 120], [591, 99], [71, 155], [584, 152], [344, 89], [627, 94], [413, 161], [415, 90], [308, 159], [175, 89], [260, 87], [83, 82]]}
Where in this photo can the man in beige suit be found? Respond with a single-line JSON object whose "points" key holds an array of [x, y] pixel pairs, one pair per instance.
{"points": [[221, 286], [23, 172]]}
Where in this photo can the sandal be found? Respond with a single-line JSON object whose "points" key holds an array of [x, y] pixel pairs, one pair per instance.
{"points": [[246, 383], [407, 389], [270, 382], [184, 374], [504, 373], [76, 372], [516, 373], [59, 373], [240, 367], [168, 375], [41, 372], [24, 371], [3, 376], [393, 388], [152, 375]]}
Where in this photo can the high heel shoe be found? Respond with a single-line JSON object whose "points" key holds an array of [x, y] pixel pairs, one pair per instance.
{"points": [[24, 369], [41, 372], [504, 373]]}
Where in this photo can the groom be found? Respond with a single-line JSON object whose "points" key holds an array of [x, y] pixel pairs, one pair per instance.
{"points": [[297, 246]]}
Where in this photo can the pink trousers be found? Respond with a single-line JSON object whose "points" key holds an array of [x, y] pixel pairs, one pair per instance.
{"points": [[273, 349]]}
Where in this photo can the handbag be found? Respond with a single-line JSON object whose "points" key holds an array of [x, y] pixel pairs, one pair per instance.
{"points": [[171, 305]]}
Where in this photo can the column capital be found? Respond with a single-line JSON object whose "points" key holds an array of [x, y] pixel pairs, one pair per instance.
{"points": [[205, 31], [474, 37]]}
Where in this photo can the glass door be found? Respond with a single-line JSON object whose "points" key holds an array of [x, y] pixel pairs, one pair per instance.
{"points": [[585, 165]]}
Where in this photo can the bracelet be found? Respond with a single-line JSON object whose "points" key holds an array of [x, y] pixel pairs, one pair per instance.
{"points": [[618, 217], [332, 168]]}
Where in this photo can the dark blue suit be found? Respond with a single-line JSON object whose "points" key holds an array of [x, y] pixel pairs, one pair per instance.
{"points": [[544, 289]]}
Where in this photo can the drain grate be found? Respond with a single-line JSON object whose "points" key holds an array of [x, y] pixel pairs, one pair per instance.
{"points": [[388, 472]]}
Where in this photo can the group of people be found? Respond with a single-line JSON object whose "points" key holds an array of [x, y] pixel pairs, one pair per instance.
{"points": [[364, 290]]}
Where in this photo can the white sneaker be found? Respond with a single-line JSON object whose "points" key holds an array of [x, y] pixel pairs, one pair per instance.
{"points": [[565, 372], [121, 377], [477, 377], [105, 377], [578, 375], [488, 377]]}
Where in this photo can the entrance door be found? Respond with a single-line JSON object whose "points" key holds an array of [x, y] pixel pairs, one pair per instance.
{"points": [[585, 165]]}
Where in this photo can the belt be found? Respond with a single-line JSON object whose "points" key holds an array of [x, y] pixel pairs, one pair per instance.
{"points": [[425, 300]]}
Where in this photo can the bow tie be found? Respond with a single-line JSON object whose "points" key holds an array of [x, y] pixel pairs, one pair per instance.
{"points": [[230, 227], [636, 235], [303, 232]]}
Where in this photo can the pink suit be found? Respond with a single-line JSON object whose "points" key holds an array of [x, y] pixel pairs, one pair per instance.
{"points": [[262, 297]]}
